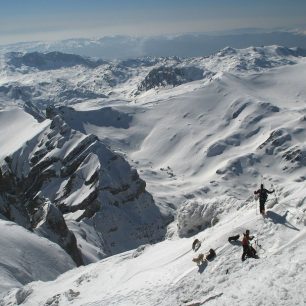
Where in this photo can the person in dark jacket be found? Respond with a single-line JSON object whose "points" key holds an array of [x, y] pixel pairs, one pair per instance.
{"points": [[211, 254], [263, 195], [196, 244], [248, 250]]}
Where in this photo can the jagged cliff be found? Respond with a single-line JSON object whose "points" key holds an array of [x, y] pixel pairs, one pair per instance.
{"points": [[61, 180]]}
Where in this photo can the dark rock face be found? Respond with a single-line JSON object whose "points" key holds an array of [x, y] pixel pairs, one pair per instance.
{"points": [[277, 140], [295, 157], [61, 174], [12, 198], [49, 223], [20, 205], [163, 76]]}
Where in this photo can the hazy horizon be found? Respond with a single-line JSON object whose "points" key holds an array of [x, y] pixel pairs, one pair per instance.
{"points": [[184, 45], [35, 20]]}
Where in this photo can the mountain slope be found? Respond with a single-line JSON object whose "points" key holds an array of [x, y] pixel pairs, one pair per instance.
{"points": [[71, 189], [230, 132], [25, 257], [202, 147], [45, 79], [164, 274]]}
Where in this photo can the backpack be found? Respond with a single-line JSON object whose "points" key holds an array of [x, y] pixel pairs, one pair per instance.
{"points": [[233, 238], [211, 254]]}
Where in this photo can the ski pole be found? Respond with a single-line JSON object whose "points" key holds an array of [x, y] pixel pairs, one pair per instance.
{"points": [[274, 194], [259, 245]]}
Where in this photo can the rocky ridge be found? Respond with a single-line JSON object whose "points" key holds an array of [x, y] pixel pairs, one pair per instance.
{"points": [[62, 178]]}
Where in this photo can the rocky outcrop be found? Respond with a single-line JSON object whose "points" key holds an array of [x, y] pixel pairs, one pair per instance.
{"points": [[278, 139], [12, 198], [163, 76], [49, 223], [20, 204], [84, 183]]}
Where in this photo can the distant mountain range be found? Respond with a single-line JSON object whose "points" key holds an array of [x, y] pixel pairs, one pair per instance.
{"points": [[183, 45], [56, 78]]}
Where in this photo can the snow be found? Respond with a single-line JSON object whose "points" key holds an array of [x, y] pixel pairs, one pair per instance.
{"points": [[164, 273], [202, 147], [16, 127], [26, 257], [88, 182]]}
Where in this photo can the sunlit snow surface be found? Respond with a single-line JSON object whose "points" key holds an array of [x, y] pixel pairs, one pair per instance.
{"points": [[26, 257], [203, 148]]}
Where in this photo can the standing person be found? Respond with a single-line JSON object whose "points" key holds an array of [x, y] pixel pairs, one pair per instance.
{"points": [[263, 195], [247, 249]]}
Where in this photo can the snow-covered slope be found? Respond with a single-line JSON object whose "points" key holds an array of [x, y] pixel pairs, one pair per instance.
{"points": [[164, 274], [17, 127], [57, 78], [25, 257], [204, 139], [202, 145]]}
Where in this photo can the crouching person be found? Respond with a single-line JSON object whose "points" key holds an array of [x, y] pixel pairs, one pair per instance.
{"points": [[248, 250], [211, 255], [196, 244]]}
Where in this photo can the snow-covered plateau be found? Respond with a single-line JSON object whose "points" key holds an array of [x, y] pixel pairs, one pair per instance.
{"points": [[111, 170]]}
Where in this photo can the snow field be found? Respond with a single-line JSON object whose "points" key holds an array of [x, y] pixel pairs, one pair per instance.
{"points": [[164, 274], [202, 148]]}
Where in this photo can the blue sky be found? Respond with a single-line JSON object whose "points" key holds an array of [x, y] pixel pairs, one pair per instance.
{"points": [[27, 20]]}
